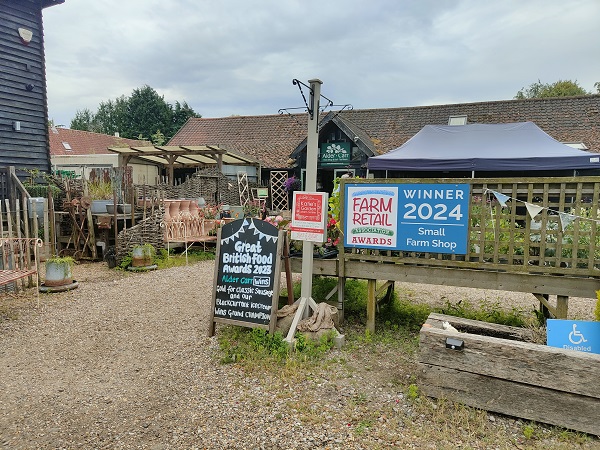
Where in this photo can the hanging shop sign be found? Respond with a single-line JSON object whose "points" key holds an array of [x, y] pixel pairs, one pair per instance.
{"points": [[247, 274], [309, 216], [335, 154], [410, 217]]}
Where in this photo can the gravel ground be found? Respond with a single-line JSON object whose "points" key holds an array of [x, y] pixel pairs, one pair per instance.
{"points": [[123, 362]]}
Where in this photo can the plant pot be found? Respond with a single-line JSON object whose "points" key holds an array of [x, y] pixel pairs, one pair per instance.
{"points": [[208, 225], [100, 206], [142, 255], [121, 208], [58, 272]]}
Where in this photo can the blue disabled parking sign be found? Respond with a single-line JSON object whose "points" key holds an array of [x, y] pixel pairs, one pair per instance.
{"points": [[576, 335]]}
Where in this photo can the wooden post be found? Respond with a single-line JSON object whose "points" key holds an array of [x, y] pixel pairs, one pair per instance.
{"points": [[91, 240], [47, 243], [288, 270], [52, 224], [371, 304], [562, 306], [341, 286]]}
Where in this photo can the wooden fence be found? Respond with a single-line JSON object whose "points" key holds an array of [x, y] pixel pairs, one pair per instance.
{"points": [[555, 252]]}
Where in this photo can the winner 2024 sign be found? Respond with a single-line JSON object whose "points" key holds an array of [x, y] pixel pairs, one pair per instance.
{"points": [[247, 274], [409, 217]]}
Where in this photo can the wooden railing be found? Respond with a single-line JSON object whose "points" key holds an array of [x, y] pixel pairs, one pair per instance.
{"points": [[555, 253], [562, 239]]}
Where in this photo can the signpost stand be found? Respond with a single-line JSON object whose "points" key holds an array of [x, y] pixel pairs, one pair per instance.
{"points": [[312, 152]]}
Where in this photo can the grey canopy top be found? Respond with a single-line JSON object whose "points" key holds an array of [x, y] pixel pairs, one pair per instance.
{"points": [[489, 147]]}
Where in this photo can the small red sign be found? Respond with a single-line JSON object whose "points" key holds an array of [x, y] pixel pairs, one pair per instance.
{"points": [[308, 207], [309, 216]]}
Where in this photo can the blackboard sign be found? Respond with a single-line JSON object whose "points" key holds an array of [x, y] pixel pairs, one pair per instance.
{"points": [[247, 274]]}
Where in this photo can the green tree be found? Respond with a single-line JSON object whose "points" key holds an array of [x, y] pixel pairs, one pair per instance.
{"points": [[83, 120], [111, 116], [146, 112], [181, 113], [560, 88], [139, 116]]}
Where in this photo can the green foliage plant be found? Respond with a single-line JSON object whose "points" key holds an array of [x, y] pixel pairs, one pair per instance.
{"points": [[597, 309], [100, 190], [66, 262]]}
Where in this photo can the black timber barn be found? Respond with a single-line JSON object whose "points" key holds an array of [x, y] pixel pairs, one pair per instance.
{"points": [[24, 142]]}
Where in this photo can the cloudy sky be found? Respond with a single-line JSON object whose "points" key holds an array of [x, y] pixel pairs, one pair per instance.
{"points": [[239, 57]]}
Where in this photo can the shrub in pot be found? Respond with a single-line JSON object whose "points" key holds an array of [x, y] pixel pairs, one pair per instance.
{"points": [[59, 271]]}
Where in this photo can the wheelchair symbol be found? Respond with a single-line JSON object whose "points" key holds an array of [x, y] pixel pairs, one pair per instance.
{"points": [[576, 334]]}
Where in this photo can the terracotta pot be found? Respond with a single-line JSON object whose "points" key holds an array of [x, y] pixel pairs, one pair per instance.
{"points": [[208, 225], [167, 204], [174, 209]]}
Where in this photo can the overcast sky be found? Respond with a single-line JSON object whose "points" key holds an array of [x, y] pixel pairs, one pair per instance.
{"points": [[238, 57]]}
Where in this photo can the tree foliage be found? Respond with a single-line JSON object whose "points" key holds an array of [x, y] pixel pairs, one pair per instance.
{"points": [[143, 115], [560, 88]]}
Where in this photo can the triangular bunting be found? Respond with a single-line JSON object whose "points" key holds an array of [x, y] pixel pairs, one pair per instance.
{"points": [[502, 199], [566, 219], [533, 210]]}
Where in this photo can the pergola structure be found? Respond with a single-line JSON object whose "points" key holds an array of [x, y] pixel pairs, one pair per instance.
{"points": [[183, 156]]}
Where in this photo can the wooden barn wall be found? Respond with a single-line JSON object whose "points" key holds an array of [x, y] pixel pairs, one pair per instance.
{"points": [[22, 65]]}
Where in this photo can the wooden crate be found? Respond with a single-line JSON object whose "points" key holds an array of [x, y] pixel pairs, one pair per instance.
{"points": [[498, 371]]}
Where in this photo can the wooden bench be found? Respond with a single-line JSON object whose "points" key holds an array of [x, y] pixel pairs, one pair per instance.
{"points": [[19, 260]]}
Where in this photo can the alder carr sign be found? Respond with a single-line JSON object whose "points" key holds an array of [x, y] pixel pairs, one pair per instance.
{"points": [[409, 217]]}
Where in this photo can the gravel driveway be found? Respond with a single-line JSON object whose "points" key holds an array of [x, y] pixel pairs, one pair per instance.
{"points": [[123, 362]]}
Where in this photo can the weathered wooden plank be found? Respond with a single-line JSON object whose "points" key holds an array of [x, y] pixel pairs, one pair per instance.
{"points": [[478, 327], [522, 362], [563, 409], [480, 279]]}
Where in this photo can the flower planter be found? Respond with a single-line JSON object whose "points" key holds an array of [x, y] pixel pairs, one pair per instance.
{"points": [[142, 255], [100, 206], [208, 225], [58, 272], [492, 367]]}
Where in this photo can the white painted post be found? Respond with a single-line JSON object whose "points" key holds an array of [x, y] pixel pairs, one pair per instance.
{"points": [[312, 151]]}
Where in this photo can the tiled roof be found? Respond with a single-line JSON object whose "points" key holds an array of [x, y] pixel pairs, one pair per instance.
{"points": [[85, 142], [566, 119], [272, 139], [268, 139]]}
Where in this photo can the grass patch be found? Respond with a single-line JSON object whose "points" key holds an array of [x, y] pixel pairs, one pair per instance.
{"points": [[386, 358], [166, 259]]}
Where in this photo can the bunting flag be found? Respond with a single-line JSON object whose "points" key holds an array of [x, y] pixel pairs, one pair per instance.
{"points": [[502, 199], [236, 235], [249, 225], [261, 235], [533, 210], [566, 219]]}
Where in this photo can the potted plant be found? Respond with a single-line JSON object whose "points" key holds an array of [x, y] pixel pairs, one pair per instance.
{"points": [[142, 255], [209, 214], [59, 271], [253, 208], [101, 193]]}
